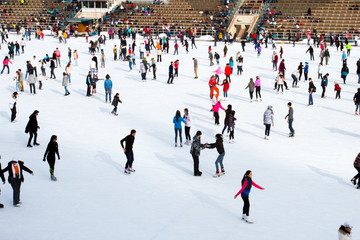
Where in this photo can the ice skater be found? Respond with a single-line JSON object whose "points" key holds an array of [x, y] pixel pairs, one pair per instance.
{"points": [[220, 149], [178, 127], [247, 183], [128, 150], [51, 150], [357, 167], [195, 149], [32, 127], [268, 121]]}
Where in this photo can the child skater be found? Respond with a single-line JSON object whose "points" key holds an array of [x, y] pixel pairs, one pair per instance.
{"points": [[247, 183], [115, 103]]}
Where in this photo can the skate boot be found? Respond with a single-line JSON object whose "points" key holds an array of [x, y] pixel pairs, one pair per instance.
{"points": [[353, 180], [53, 178], [217, 174], [222, 171]]}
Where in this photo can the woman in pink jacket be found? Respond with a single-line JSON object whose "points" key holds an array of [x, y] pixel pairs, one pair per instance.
{"points": [[258, 88], [6, 64], [216, 111]]}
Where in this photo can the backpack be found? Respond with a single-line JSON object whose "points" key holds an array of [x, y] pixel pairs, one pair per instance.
{"points": [[314, 89]]}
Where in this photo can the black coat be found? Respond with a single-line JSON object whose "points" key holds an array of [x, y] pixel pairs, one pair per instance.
{"points": [[218, 145], [32, 125], [22, 167], [357, 98], [30, 68], [116, 101], [51, 150]]}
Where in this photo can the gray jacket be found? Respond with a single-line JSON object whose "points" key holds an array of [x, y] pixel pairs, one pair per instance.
{"points": [[196, 146], [268, 117], [290, 115]]}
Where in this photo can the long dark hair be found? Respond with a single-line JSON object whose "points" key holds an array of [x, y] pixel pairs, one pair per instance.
{"points": [[177, 115], [53, 137], [245, 176]]}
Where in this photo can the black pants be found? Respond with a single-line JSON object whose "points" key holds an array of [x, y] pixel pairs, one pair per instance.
{"points": [[295, 80], [257, 91], [16, 184], [158, 58], [13, 113], [176, 72], [187, 133], [251, 94], [130, 158], [246, 207], [40, 85], [280, 86], [232, 130], [267, 129], [306, 76], [337, 94], [52, 73], [88, 90], [196, 165], [51, 162], [171, 78], [31, 136], [216, 115], [300, 74], [323, 91], [32, 88], [228, 78]]}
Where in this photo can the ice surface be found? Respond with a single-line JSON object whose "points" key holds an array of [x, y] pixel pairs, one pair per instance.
{"points": [[307, 194]]}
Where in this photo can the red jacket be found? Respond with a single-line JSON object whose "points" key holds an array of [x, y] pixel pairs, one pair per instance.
{"points": [[227, 70], [226, 87], [212, 81], [337, 87]]}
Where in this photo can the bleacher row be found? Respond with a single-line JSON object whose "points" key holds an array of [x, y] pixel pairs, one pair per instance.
{"points": [[327, 16], [35, 13]]}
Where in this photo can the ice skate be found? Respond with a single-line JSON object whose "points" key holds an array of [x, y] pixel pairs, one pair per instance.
{"points": [[353, 181], [217, 174], [126, 171], [131, 170], [53, 178]]}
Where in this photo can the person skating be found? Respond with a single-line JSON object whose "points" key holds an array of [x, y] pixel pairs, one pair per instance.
{"points": [[258, 88], [195, 149], [357, 167], [295, 76], [15, 169], [338, 90], [52, 149], [216, 111], [108, 88], [268, 121], [251, 86], [32, 127], [195, 68], [232, 120], [52, 68], [311, 90], [228, 72], [290, 119], [115, 103], [6, 64], [356, 100], [247, 183], [12, 105], [128, 150], [2, 179], [324, 83], [345, 231], [226, 86], [171, 73], [88, 84], [187, 118], [65, 83], [226, 120], [344, 72], [306, 71], [178, 127], [220, 149]]}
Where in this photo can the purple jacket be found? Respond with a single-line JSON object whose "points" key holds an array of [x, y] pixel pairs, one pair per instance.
{"points": [[257, 82]]}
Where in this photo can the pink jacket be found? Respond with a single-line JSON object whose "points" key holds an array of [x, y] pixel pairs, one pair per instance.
{"points": [[6, 62], [218, 71], [217, 107], [244, 186], [257, 82]]}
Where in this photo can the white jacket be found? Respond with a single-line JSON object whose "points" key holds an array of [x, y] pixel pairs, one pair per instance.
{"points": [[320, 69], [12, 102], [187, 119], [344, 236]]}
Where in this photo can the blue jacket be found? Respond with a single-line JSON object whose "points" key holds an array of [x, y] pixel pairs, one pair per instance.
{"points": [[177, 124], [247, 190], [306, 68], [324, 82], [231, 63], [108, 83]]}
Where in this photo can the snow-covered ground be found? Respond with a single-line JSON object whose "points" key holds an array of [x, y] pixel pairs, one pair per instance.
{"points": [[307, 194]]}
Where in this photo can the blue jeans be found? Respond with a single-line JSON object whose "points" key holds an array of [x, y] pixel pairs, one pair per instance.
{"points": [[66, 90], [357, 107], [219, 160], [108, 93], [5, 66], [17, 86], [358, 78], [290, 125], [176, 134], [68, 76], [130, 64], [225, 95], [310, 99]]}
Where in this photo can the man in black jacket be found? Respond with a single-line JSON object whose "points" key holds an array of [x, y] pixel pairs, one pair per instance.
{"points": [[171, 73], [128, 150], [3, 180], [32, 128], [16, 177]]}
